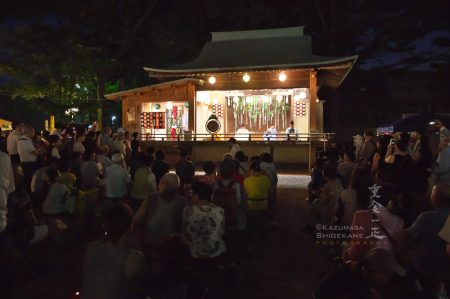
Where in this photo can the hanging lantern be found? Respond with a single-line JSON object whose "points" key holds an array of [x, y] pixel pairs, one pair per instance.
{"points": [[282, 77], [246, 77], [212, 80]]}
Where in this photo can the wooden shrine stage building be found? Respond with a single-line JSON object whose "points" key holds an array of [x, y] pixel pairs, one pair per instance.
{"points": [[261, 79]]}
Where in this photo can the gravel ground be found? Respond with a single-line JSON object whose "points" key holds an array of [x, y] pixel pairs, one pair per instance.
{"points": [[289, 265]]}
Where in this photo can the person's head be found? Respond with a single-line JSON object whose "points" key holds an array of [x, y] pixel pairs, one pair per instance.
{"points": [[226, 168], [405, 137], [379, 267], [401, 145], [382, 143], [416, 135], [120, 136], [228, 156], [104, 149], [255, 159], [438, 124], [159, 155], [232, 140], [291, 124], [242, 126], [209, 167], [349, 156], [266, 157], [118, 158], [126, 136], [147, 160], [201, 191], [440, 196], [368, 135], [117, 220], [330, 171], [53, 175], [53, 140], [135, 135], [183, 152], [90, 135], [17, 126], [81, 137], [254, 168], [28, 131], [107, 131], [89, 156], [169, 182], [240, 156]]}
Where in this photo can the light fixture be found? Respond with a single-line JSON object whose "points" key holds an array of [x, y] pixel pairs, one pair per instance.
{"points": [[317, 100], [212, 80], [282, 77], [302, 95], [246, 77], [279, 98], [297, 97], [215, 101]]}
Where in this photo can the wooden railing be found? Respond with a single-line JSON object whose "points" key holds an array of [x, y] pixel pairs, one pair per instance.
{"points": [[282, 137]]}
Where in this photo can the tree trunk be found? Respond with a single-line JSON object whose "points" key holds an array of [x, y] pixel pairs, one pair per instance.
{"points": [[100, 97]]}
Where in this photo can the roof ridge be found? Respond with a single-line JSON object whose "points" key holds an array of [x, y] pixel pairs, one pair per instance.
{"points": [[257, 34]]}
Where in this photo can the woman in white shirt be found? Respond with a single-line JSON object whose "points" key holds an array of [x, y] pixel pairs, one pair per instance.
{"points": [[55, 201]]}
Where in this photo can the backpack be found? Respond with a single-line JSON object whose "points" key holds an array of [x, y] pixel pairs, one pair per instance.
{"points": [[225, 197]]}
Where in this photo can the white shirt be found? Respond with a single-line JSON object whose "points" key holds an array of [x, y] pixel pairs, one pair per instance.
{"points": [[25, 149], [242, 134], [234, 149], [6, 187], [11, 142], [56, 197], [116, 178], [78, 147], [55, 153]]}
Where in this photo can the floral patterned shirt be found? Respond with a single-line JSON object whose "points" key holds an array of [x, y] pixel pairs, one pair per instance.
{"points": [[203, 228]]}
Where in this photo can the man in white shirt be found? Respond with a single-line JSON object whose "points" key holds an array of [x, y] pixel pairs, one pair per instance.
{"points": [[6, 187], [117, 178], [242, 133], [28, 155], [11, 141]]}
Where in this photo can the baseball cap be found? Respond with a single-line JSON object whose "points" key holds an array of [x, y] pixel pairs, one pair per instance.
{"points": [[445, 231], [383, 260]]}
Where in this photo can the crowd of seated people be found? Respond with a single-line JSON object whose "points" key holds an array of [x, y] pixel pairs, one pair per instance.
{"points": [[389, 227], [97, 215]]}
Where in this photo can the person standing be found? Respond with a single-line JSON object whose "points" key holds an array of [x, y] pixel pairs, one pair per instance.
{"points": [[28, 155], [234, 147], [444, 133], [185, 169], [117, 178], [12, 140], [367, 150], [6, 187]]}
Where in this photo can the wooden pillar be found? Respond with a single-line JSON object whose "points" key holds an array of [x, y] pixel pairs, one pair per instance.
{"points": [[312, 101], [192, 110]]}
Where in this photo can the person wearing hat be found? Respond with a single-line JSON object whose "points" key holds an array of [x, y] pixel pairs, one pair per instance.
{"points": [[117, 178], [445, 234]]}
